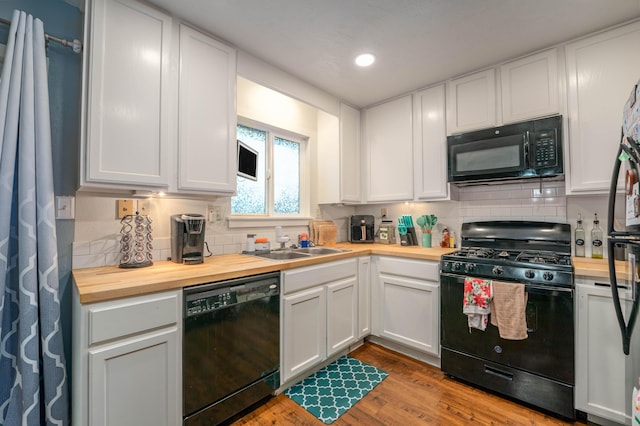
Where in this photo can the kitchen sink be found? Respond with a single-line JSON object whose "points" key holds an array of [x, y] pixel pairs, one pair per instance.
{"points": [[282, 255], [314, 251], [298, 253]]}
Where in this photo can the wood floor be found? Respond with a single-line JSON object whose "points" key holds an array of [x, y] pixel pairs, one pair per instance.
{"points": [[414, 393]]}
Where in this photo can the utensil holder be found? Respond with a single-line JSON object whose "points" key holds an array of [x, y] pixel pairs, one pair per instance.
{"points": [[426, 239]]}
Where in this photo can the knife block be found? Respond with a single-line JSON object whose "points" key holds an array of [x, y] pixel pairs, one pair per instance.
{"points": [[410, 238]]}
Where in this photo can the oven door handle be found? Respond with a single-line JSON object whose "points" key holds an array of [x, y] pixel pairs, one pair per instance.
{"points": [[547, 291]]}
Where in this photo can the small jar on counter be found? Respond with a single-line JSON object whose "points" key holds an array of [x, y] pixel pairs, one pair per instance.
{"points": [[251, 243], [446, 238]]}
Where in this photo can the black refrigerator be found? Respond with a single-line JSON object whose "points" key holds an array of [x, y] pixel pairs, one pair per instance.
{"points": [[623, 246]]}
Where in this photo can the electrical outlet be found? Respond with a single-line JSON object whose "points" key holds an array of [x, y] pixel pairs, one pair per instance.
{"points": [[384, 212], [125, 207], [144, 207], [213, 214]]}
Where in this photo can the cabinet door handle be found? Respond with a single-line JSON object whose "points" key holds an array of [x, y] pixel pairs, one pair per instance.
{"points": [[626, 287]]}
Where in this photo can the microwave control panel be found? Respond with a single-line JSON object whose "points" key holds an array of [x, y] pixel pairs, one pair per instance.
{"points": [[545, 149]]}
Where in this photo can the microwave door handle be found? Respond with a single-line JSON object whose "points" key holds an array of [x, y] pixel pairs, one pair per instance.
{"points": [[527, 160]]}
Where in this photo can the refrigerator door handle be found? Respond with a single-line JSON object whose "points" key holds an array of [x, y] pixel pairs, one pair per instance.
{"points": [[633, 283], [626, 327]]}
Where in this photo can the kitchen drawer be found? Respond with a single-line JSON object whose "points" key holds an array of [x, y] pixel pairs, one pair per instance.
{"points": [[311, 276], [121, 318], [423, 269]]}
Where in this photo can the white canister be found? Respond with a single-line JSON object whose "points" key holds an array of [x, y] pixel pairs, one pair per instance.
{"points": [[251, 243]]}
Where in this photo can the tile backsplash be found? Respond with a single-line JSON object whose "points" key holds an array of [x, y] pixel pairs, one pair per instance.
{"points": [[541, 201], [97, 232]]}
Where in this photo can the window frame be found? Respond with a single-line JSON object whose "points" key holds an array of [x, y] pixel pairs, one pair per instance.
{"points": [[271, 218]]}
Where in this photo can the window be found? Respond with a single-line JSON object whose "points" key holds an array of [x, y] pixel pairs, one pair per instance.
{"points": [[278, 190]]}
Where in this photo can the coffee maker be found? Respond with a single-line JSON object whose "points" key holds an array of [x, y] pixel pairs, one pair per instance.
{"points": [[187, 238], [361, 229]]}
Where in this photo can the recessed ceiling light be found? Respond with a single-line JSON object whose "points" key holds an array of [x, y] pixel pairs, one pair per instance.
{"points": [[365, 59]]}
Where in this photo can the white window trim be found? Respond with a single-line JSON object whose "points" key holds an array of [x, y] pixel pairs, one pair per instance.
{"points": [[239, 222], [301, 219]]}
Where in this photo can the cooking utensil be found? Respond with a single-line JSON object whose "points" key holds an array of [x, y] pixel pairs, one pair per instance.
{"points": [[427, 221]]}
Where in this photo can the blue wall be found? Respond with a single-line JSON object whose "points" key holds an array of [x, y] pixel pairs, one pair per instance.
{"points": [[65, 80]]}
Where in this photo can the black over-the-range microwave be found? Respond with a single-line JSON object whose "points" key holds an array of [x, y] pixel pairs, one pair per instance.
{"points": [[515, 151]]}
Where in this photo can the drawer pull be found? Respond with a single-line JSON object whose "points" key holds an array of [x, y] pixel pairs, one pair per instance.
{"points": [[499, 373]]}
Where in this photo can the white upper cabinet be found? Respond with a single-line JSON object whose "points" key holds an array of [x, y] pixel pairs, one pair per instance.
{"points": [[601, 72], [350, 154], [389, 146], [471, 102], [430, 145], [126, 138], [338, 159], [160, 104], [530, 87], [207, 114]]}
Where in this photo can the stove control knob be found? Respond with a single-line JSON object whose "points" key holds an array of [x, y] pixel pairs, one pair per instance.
{"points": [[445, 266], [498, 270], [457, 266], [547, 276], [470, 267], [529, 273]]}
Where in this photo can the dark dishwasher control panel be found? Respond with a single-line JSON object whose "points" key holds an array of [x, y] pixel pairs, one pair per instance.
{"points": [[204, 298], [212, 301]]}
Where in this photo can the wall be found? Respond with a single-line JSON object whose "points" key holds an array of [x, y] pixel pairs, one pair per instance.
{"points": [[97, 230]]}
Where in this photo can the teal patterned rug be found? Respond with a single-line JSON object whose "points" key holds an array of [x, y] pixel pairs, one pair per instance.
{"points": [[331, 391]]}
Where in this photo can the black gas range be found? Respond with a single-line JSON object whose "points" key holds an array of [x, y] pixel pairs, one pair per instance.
{"points": [[527, 252], [538, 370], [532, 266]]}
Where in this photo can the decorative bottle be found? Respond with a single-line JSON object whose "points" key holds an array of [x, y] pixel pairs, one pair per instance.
{"points": [[596, 239], [579, 238]]}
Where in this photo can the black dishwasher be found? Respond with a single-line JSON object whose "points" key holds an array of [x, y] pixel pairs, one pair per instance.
{"points": [[231, 347]]}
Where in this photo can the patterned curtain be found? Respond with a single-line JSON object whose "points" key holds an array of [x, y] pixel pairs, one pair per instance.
{"points": [[33, 378]]}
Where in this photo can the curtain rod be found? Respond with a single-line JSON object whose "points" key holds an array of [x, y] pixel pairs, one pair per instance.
{"points": [[76, 45]]}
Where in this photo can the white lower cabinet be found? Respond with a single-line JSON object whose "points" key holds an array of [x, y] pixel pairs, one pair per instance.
{"points": [[304, 331], [407, 302], [364, 296], [319, 314], [600, 363], [126, 361]]}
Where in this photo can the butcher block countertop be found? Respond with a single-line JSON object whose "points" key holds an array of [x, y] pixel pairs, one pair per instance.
{"points": [[595, 268], [112, 282]]}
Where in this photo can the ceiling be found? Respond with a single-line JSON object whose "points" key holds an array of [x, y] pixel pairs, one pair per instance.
{"points": [[417, 42]]}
